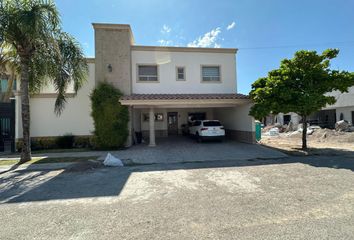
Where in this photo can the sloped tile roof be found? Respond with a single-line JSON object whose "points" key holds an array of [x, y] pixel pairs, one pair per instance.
{"points": [[184, 96]]}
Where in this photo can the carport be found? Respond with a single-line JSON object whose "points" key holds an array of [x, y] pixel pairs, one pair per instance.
{"points": [[163, 115]]}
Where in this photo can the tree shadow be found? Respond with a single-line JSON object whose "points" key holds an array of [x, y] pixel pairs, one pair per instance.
{"points": [[12, 168]]}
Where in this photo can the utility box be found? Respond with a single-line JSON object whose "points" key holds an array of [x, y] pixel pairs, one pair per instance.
{"points": [[258, 131]]}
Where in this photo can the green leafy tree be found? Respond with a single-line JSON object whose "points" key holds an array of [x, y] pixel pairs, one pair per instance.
{"points": [[46, 54], [110, 117], [299, 85]]}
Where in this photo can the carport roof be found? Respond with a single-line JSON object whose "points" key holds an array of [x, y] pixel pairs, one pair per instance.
{"points": [[209, 96], [185, 100]]}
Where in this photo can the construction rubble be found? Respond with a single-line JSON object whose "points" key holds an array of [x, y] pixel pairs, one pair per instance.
{"points": [[290, 136]]}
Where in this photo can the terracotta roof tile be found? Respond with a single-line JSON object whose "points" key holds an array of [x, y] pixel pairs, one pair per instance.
{"points": [[184, 96]]}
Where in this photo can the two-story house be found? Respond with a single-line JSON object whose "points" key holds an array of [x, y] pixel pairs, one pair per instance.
{"points": [[163, 87]]}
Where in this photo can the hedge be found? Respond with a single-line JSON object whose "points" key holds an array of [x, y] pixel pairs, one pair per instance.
{"points": [[60, 142], [109, 116]]}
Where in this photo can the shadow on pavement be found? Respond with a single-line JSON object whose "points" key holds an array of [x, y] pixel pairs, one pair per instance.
{"points": [[97, 181]]}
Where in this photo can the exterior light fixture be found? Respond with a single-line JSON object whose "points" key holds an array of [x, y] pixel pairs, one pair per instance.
{"points": [[109, 67]]}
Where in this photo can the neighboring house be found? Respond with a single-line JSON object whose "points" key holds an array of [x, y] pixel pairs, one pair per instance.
{"points": [[163, 87], [343, 109]]}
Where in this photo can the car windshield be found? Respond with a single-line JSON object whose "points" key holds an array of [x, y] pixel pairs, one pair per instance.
{"points": [[212, 124]]}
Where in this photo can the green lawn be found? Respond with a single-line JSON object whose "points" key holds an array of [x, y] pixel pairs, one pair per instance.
{"points": [[39, 160]]}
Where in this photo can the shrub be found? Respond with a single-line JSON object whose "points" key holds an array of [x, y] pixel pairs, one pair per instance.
{"points": [[82, 142], [39, 143], [65, 141], [109, 116], [43, 143]]}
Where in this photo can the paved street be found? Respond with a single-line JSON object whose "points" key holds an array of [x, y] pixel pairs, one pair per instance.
{"points": [[293, 198]]}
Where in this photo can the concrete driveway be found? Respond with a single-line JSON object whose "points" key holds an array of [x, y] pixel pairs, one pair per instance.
{"points": [[186, 149], [292, 198], [182, 149]]}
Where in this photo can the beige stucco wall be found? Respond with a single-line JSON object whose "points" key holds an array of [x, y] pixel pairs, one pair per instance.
{"points": [[112, 47], [75, 118], [192, 61]]}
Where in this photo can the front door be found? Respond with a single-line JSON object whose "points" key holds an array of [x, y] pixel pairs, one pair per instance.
{"points": [[353, 118], [172, 123]]}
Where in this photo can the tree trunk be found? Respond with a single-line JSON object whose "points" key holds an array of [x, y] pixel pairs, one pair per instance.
{"points": [[25, 111], [304, 133]]}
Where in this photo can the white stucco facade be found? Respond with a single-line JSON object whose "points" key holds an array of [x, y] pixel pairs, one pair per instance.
{"points": [[167, 61], [75, 119]]}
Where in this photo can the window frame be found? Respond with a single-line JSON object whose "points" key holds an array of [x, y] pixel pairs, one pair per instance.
{"points": [[184, 73], [210, 81], [158, 117], [145, 65]]}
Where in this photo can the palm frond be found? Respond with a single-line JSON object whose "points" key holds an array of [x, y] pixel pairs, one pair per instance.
{"points": [[33, 28], [72, 68]]}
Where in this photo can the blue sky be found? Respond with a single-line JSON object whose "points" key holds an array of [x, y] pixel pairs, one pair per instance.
{"points": [[264, 31]]}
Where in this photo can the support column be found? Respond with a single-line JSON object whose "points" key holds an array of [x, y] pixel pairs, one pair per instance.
{"points": [[152, 128]]}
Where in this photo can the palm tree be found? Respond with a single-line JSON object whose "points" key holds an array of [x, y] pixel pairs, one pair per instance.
{"points": [[46, 54]]}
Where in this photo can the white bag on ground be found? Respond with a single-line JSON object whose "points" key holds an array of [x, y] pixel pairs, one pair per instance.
{"points": [[274, 132], [112, 161]]}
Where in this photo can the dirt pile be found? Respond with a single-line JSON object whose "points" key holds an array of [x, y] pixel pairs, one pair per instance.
{"points": [[320, 138]]}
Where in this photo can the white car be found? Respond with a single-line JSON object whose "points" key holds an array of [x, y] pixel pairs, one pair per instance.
{"points": [[207, 129]]}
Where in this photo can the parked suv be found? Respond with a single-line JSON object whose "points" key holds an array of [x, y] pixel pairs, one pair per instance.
{"points": [[207, 129]]}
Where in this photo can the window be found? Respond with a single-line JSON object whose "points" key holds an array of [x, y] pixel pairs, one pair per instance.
{"points": [[180, 74], [147, 73], [158, 117], [341, 116], [211, 73], [4, 83], [212, 124]]}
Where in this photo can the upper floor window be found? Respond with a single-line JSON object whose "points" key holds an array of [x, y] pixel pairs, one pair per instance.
{"points": [[4, 84], [147, 73], [211, 73], [181, 75]]}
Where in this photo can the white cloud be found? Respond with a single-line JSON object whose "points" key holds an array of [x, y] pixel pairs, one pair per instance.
{"points": [[208, 40], [231, 26], [164, 42], [165, 29]]}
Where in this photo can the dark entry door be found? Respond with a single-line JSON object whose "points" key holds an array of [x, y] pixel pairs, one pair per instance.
{"points": [[353, 118], [7, 127], [172, 123]]}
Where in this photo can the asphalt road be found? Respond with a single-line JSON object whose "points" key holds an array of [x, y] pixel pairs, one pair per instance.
{"points": [[294, 198]]}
